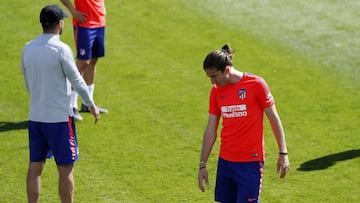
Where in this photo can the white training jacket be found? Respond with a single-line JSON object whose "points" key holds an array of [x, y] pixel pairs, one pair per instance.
{"points": [[50, 71]]}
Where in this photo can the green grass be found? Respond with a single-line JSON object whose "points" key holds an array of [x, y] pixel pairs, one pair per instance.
{"points": [[147, 148]]}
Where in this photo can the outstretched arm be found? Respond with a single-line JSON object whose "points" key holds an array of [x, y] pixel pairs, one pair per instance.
{"points": [[283, 165], [207, 145]]}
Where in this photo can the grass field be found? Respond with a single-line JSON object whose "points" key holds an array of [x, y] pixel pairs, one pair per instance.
{"points": [[147, 148]]}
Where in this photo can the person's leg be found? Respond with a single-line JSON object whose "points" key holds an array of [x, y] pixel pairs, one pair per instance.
{"points": [[74, 105], [248, 178], [66, 183], [82, 38], [82, 66], [38, 148], [90, 71], [33, 181], [225, 188], [89, 76], [73, 99], [97, 50], [63, 143], [90, 46]]}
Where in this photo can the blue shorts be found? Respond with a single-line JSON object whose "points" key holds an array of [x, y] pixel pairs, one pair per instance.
{"points": [[238, 181], [58, 139], [90, 42]]}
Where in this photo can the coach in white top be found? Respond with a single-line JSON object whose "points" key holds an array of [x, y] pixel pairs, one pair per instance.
{"points": [[49, 70]]}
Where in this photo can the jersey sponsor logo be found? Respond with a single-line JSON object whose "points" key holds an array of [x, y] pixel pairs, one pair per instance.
{"points": [[242, 94], [234, 111]]}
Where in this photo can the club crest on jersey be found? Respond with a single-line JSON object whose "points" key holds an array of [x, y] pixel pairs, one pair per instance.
{"points": [[242, 94], [82, 52]]}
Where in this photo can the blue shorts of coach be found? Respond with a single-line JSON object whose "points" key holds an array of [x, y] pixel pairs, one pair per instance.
{"points": [[57, 139]]}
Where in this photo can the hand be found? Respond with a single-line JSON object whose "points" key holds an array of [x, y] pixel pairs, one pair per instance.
{"points": [[203, 174], [79, 16], [95, 112], [283, 165]]}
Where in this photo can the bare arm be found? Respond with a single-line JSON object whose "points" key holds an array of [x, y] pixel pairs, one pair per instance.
{"points": [[75, 13], [283, 164], [209, 139]]}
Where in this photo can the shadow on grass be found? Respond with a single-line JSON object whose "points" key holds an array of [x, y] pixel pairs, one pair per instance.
{"points": [[7, 126], [329, 160]]}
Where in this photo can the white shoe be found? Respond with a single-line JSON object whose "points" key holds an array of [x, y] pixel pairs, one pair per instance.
{"points": [[77, 115]]}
